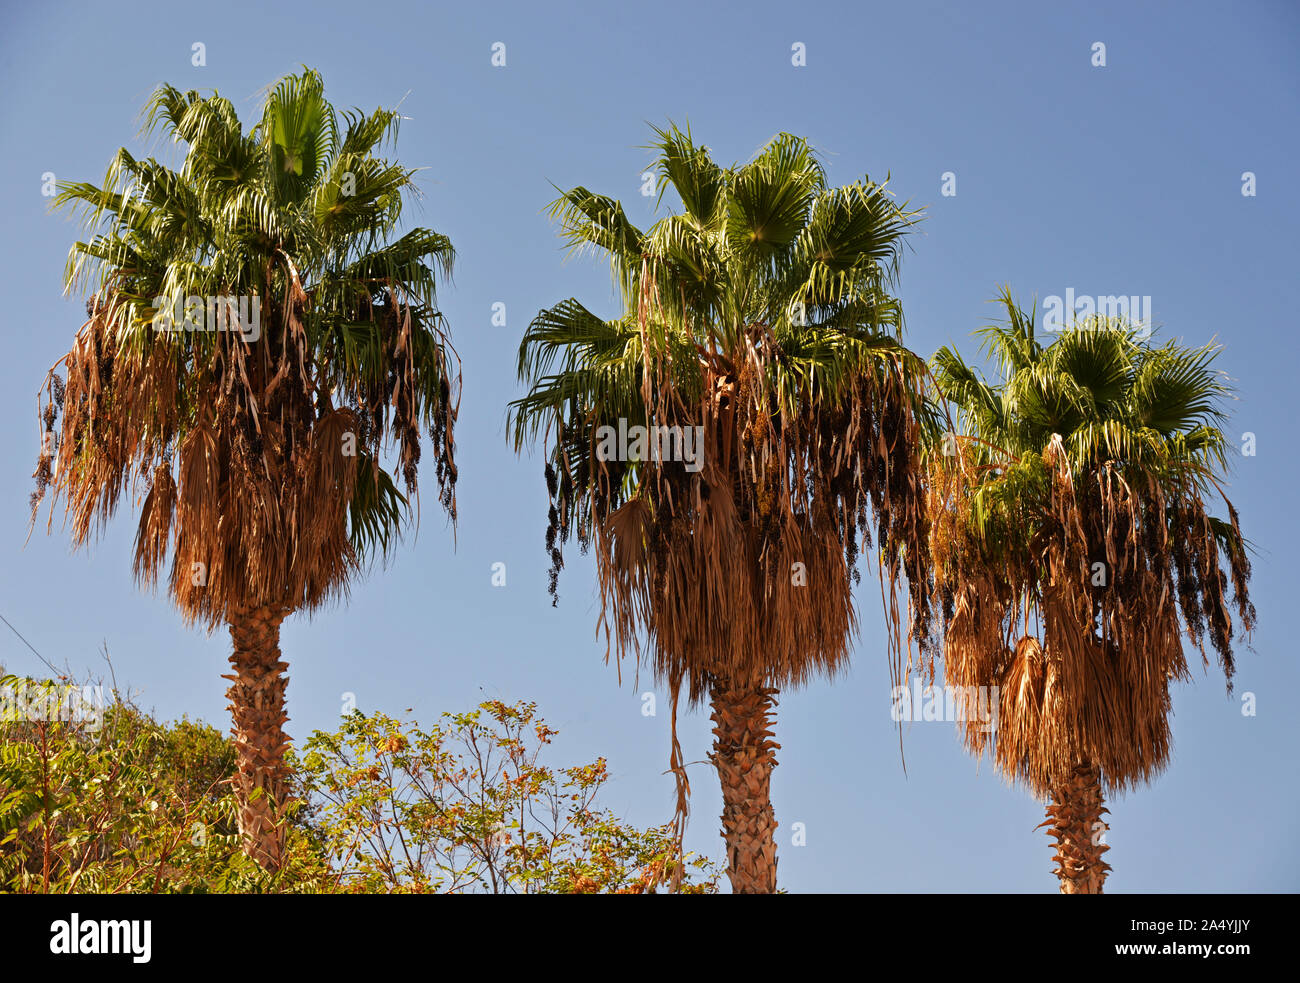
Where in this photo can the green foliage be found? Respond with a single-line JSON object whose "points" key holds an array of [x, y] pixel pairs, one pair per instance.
{"points": [[1117, 401], [1109, 393], [111, 801], [116, 802]]}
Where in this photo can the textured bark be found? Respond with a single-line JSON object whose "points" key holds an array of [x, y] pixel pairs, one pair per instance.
{"points": [[743, 755], [1074, 816], [256, 697]]}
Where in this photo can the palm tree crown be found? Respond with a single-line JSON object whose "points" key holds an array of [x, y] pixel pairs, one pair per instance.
{"points": [[760, 311], [260, 453], [1075, 500]]}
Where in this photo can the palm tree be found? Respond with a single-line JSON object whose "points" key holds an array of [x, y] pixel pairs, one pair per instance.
{"points": [[255, 335], [1070, 530], [757, 332]]}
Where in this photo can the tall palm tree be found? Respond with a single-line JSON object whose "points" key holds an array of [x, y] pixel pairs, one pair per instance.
{"points": [[1071, 529], [758, 317], [254, 436]]}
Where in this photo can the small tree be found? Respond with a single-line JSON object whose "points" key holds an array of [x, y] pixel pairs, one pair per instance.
{"points": [[468, 806]]}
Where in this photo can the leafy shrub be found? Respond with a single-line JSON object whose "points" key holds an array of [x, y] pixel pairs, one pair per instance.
{"points": [[109, 800]]}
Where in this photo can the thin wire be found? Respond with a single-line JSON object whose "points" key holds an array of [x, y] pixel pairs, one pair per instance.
{"points": [[30, 646]]}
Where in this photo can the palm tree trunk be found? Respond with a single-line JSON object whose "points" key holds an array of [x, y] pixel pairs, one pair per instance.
{"points": [[743, 755], [1074, 816], [256, 697]]}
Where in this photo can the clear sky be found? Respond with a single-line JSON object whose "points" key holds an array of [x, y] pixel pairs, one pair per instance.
{"points": [[1122, 179]]}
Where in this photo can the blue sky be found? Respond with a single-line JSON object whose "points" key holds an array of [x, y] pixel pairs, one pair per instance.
{"points": [[1123, 179]]}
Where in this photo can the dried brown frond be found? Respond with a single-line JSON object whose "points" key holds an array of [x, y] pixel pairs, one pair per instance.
{"points": [[1080, 632], [744, 570], [243, 469]]}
